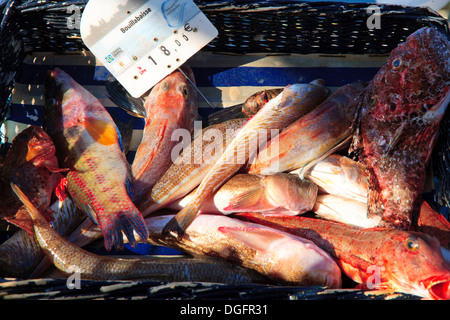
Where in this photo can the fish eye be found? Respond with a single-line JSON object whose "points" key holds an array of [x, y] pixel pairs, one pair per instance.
{"points": [[185, 92], [412, 245], [396, 63]]}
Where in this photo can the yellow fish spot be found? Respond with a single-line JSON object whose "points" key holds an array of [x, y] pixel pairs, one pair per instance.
{"points": [[101, 131]]}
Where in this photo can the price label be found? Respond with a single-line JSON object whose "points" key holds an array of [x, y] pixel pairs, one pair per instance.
{"points": [[141, 41]]}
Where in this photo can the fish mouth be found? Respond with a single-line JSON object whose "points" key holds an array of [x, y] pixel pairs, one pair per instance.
{"points": [[438, 287]]}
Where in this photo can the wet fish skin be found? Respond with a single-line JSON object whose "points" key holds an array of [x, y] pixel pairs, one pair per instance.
{"points": [[70, 258], [120, 96], [398, 118], [277, 255], [294, 101], [344, 210], [30, 163], [21, 254], [281, 193], [341, 176], [171, 105], [87, 144], [408, 262], [313, 136]]}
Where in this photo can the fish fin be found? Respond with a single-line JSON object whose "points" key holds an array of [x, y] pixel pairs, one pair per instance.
{"points": [[28, 213], [253, 237], [125, 132], [87, 209], [307, 167], [21, 220], [60, 190], [101, 131], [126, 222], [129, 187], [249, 200], [176, 227], [119, 95]]}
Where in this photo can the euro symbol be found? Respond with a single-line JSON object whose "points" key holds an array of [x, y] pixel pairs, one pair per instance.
{"points": [[187, 27]]}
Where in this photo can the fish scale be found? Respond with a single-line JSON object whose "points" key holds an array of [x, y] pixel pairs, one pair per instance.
{"points": [[294, 101]]}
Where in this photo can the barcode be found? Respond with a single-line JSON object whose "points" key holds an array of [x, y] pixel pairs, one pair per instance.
{"points": [[117, 52]]}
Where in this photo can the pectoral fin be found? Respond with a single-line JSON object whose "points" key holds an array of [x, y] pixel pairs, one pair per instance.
{"points": [[101, 131], [249, 200]]}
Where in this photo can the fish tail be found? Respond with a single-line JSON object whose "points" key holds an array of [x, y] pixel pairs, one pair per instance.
{"points": [[126, 222], [178, 224]]}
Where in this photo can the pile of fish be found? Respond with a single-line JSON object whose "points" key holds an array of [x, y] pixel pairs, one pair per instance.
{"points": [[300, 186]]}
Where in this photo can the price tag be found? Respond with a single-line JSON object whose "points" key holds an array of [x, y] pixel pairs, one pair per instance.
{"points": [[141, 41]]}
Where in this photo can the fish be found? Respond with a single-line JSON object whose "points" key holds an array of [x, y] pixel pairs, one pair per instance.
{"points": [[294, 101], [340, 176], [433, 223], [191, 165], [344, 210], [281, 193], [21, 255], [183, 176], [256, 101], [312, 137], [88, 145], [397, 122], [30, 163], [170, 106], [124, 100], [279, 256], [243, 110], [377, 258], [71, 259]]}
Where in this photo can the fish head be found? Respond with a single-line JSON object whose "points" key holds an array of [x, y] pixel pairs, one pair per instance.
{"points": [[33, 145], [414, 264], [414, 79], [174, 97]]}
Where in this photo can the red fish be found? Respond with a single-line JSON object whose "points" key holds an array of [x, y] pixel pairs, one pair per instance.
{"points": [[87, 143], [171, 105], [397, 124], [294, 101], [313, 136], [280, 256], [377, 258], [256, 101], [30, 163], [433, 223]]}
